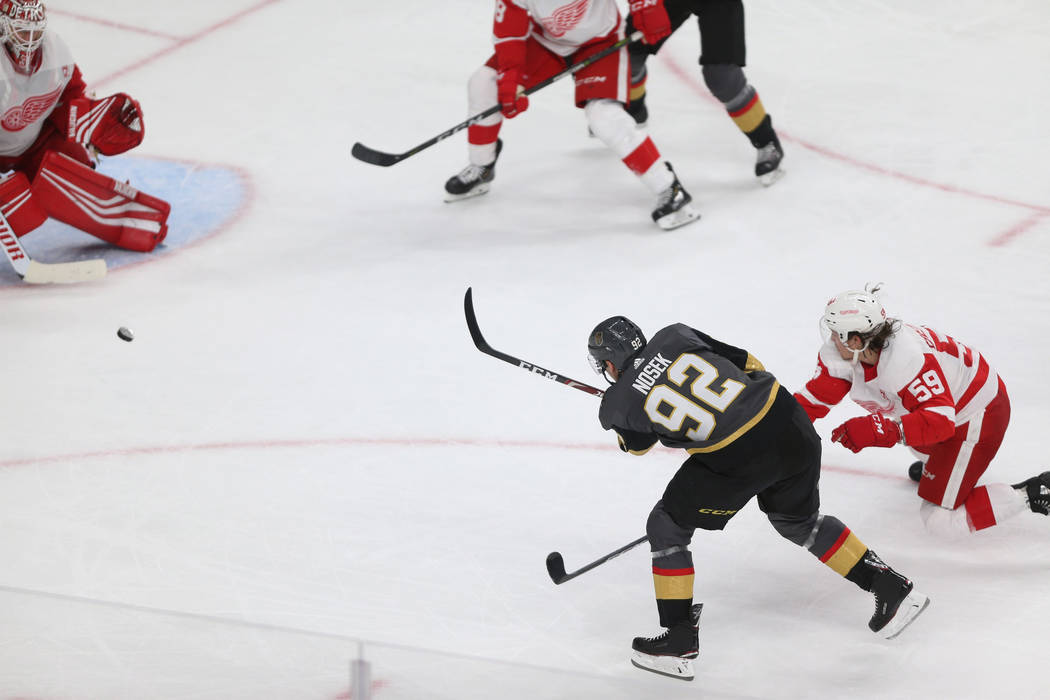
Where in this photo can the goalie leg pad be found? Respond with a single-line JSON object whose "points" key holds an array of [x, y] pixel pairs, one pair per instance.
{"points": [[97, 204], [18, 205]]}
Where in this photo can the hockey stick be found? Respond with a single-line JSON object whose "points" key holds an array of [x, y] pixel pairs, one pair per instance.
{"points": [[556, 565], [483, 346], [34, 272], [370, 155]]}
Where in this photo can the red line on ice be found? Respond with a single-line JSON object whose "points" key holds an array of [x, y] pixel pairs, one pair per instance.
{"points": [[114, 25], [179, 43], [362, 442]]}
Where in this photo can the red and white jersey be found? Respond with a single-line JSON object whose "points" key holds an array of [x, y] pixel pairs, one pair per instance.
{"points": [[928, 380], [26, 101], [562, 26]]}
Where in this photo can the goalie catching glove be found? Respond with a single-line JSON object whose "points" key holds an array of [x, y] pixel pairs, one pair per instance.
{"points": [[112, 125]]}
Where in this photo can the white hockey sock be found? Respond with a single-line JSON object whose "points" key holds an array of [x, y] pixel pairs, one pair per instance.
{"points": [[482, 94], [616, 129]]}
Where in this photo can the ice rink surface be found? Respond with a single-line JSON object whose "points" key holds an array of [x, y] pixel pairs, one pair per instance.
{"points": [[302, 460]]}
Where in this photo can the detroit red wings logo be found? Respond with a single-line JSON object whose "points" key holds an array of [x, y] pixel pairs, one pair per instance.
{"points": [[565, 18], [21, 116]]}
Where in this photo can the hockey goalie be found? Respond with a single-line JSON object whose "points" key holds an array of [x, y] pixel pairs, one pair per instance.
{"points": [[51, 133]]}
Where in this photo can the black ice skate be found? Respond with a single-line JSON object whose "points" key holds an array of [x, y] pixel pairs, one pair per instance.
{"points": [[897, 604], [671, 653], [767, 162], [672, 207], [472, 180], [1037, 493]]}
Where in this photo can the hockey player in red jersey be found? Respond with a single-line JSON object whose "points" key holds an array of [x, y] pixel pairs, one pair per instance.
{"points": [[50, 131], [536, 39], [722, 57], [923, 389]]}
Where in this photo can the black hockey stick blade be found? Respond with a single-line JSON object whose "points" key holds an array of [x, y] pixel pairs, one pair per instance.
{"points": [[370, 155], [556, 565], [483, 346]]}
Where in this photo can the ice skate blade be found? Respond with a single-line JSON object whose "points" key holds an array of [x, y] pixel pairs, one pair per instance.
{"points": [[909, 609], [670, 666], [475, 192], [675, 219], [772, 177]]}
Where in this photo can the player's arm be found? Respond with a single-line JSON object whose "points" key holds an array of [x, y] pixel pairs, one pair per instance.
{"points": [[634, 442], [930, 416], [930, 405], [738, 356], [510, 31], [111, 125], [76, 87], [822, 392]]}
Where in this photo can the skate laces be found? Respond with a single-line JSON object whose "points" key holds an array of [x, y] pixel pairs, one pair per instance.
{"points": [[659, 637], [669, 195], [768, 153], [471, 173]]}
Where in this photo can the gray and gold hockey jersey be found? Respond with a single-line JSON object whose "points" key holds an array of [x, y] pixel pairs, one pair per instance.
{"points": [[687, 390]]}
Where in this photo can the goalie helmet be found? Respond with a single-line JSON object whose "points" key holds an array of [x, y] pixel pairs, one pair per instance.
{"points": [[617, 340], [854, 312], [22, 24]]}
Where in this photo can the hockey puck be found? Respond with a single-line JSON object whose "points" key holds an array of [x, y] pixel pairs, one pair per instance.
{"points": [[125, 334]]}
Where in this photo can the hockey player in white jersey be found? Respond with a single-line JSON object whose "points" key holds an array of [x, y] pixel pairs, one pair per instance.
{"points": [[924, 389], [537, 39], [50, 135]]}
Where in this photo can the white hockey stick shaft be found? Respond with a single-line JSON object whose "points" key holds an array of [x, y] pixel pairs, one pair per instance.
{"points": [[34, 272]]}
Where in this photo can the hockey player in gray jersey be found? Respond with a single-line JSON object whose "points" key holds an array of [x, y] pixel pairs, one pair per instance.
{"points": [[746, 436]]}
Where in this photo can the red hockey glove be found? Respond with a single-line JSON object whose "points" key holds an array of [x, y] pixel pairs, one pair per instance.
{"points": [[508, 87], [650, 18], [867, 431], [111, 125]]}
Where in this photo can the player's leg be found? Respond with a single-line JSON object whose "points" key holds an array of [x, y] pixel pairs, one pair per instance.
{"points": [[601, 89], [483, 142], [696, 497], [723, 54], [669, 652], [116, 212], [793, 508], [678, 11], [952, 501]]}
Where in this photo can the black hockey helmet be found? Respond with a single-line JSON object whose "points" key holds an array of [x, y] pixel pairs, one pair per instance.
{"points": [[617, 340]]}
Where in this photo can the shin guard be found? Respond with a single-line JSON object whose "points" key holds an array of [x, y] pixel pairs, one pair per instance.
{"points": [[18, 206], [94, 203]]}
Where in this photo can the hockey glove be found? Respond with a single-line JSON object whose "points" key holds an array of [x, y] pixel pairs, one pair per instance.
{"points": [[650, 18], [867, 431], [508, 87], [111, 125]]}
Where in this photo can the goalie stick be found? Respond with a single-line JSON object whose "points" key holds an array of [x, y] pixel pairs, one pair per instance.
{"points": [[370, 155], [483, 346], [556, 565], [34, 272]]}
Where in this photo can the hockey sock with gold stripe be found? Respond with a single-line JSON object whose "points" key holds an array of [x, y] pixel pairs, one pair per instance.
{"points": [[837, 547], [673, 576]]}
